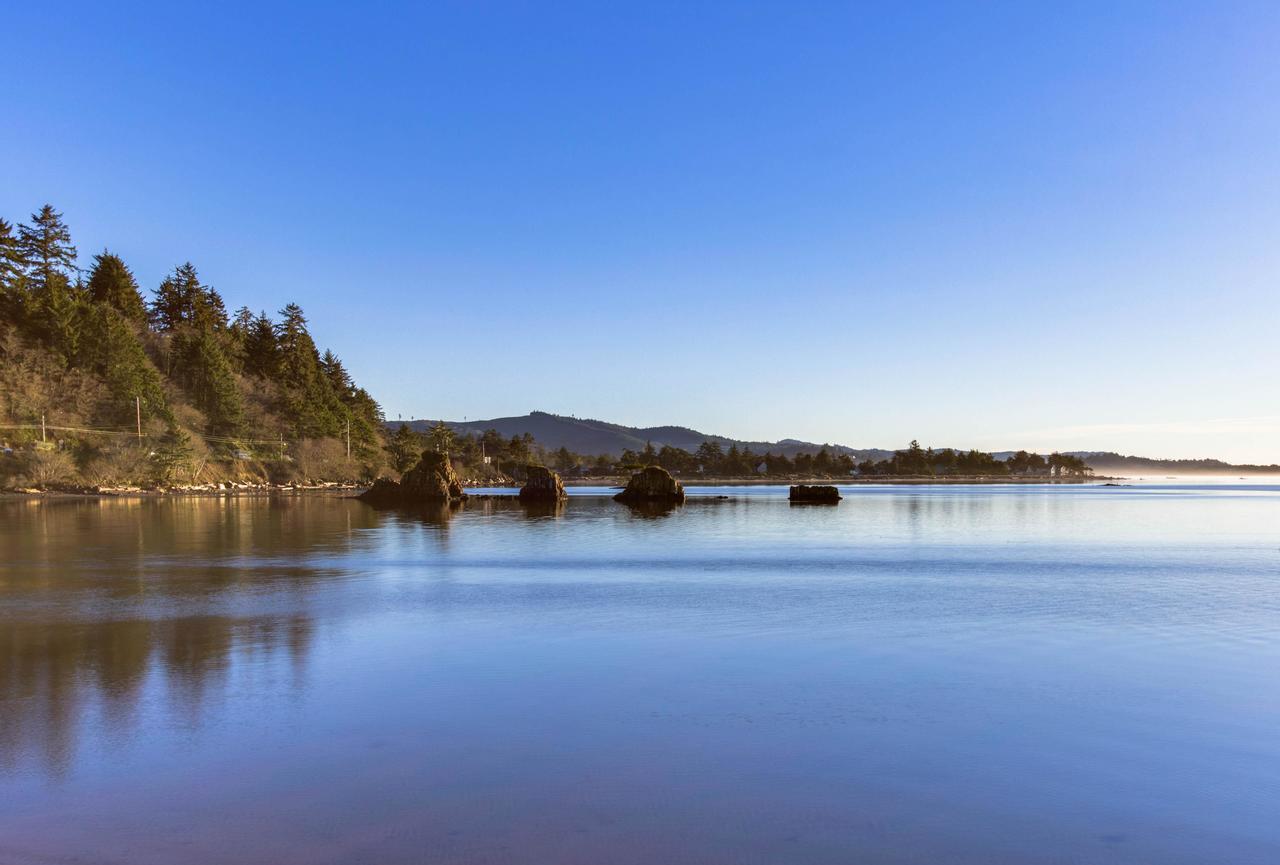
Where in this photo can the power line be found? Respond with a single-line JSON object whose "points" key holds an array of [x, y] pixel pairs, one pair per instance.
{"points": [[117, 432]]}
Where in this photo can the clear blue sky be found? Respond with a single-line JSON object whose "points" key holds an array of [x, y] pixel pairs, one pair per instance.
{"points": [[993, 225]]}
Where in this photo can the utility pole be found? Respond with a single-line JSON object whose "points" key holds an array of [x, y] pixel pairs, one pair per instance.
{"points": [[137, 408], [348, 438], [42, 435]]}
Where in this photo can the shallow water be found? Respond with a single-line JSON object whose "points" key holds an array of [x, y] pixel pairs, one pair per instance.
{"points": [[918, 675]]}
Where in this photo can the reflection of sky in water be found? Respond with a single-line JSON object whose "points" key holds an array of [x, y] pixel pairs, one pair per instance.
{"points": [[979, 674]]}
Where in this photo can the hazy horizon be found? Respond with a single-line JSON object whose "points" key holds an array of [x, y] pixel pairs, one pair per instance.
{"points": [[989, 227]]}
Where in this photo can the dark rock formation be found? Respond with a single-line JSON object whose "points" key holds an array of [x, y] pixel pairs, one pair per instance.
{"points": [[543, 485], [815, 494], [651, 484], [431, 480], [383, 492]]}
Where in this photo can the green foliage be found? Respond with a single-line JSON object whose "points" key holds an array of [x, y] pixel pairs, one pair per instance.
{"points": [[201, 365], [173, 455], [183, 299], [45, 248], [709, 455], [1023, 463], [111, 348], [12, 266], [111, 283], [310, 404], [405, 448], [87, 351], [260, 353], [57, 315], [440, 438]]}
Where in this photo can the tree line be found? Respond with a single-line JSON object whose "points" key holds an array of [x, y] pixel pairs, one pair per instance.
{"points": [[712, 459], [87, 346]]}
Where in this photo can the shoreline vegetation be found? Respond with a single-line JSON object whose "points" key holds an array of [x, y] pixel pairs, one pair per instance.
{"points": [[106, 391]]}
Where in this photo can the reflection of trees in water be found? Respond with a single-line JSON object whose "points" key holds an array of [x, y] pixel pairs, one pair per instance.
{"points": [[110, 603], [543, 510], [52, 674]]}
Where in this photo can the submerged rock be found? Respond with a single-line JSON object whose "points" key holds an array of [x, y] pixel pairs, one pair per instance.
{"points": [[652, 484], [431, 480], [543, 485], [815, 494]]}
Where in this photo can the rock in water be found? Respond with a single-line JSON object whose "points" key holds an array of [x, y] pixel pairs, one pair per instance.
{"points": [[383, 492], [651, 484], [815, 494], [431, 480], [543, 485]]}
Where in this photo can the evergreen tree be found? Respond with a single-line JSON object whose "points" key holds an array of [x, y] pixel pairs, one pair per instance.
{"points": [[441, 437], [58, 313], [778, 465], [112, 283], [261, 353], [367, 422], [12, 264], [823, 463], [237, 333], [405, 448], [96, 327], [173, 455], [111, 349], [182, 299], [310, 403], [45, 248], [710, 456], [206, 374], [242, 321], [337, 376]]}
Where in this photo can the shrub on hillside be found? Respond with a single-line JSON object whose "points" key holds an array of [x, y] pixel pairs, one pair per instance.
{"points": [[46, 469], [126, 465]]}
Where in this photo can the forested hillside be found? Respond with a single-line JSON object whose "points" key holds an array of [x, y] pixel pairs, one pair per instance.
{"points": [[102, 385], [585, 436]]}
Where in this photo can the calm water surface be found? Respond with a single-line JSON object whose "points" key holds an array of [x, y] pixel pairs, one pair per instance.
{"points": [[919, 675]]}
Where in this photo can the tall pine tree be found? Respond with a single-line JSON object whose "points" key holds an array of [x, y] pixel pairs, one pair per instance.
{"points": [[112, 283], [12, 266], [183, 299], [310, 404], [261, 353], [45, 247], [111, 348], [201, 364]]}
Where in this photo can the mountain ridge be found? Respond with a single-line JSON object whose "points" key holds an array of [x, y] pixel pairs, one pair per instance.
{"points": [[591, 436]]}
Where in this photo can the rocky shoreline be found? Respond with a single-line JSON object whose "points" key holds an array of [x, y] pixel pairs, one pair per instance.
{"points": [[335, 488]]}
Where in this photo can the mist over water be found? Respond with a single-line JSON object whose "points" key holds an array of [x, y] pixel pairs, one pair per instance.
{"points": [[918, 675]]}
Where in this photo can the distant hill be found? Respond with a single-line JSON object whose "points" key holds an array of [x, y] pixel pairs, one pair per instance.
{"points": [[1107, 462], [585, 436]]}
